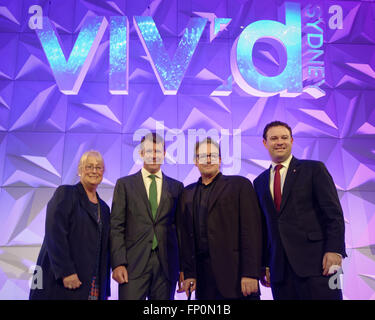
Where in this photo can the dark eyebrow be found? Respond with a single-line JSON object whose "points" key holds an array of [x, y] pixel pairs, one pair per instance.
{"points": [[283, 136]]}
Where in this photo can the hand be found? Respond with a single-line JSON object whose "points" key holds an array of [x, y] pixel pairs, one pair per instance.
{"points": [[72, 282], [120, 275], [330, 259], [181, 283], [249, 286], [186, 286], [265, 279]]}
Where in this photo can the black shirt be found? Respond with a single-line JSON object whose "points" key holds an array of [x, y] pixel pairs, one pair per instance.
{"points": [[201, 200], [94, 209]]}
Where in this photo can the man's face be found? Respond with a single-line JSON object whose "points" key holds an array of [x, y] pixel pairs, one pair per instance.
{"points": [[153, 155], [91, 173], [278, 143], [208, 160]]}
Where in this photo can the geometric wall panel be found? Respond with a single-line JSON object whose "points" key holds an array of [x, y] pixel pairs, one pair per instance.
{"points": [[28, 163], [8, 47], [204, 112], [145, 105], [23, 215], [3, 138], [37, 107], [10, 15], [43, 131], [15, 263], [6, 92], [89, 112], [353, 69]]}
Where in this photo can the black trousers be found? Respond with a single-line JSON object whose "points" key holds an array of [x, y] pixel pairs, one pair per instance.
{"points": [[293, 287], [152, 284], [206, 283]]}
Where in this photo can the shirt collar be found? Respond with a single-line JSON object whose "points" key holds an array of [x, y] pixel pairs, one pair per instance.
{"points": [[214, 179], [145, 173], [284, 163]]}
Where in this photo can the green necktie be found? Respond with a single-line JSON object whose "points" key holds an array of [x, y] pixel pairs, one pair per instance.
{"points": [[153, 198]]}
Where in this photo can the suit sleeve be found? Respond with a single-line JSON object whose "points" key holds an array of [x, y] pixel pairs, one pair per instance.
{"points": [[118, 224], [250, 232], [107, 256], [177, 223], [330, 209], [265, 242], [57, 226], [186, 240]]}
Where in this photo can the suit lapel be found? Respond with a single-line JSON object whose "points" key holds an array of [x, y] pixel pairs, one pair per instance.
{"points": [[141, 190], [216, 192], [289, 181], [85, 202], [266, 190], [165, 193]]}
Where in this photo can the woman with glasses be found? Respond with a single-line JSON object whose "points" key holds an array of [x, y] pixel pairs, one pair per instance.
{"points": [[74, 257]]}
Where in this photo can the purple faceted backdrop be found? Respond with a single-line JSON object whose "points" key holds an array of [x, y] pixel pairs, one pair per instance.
{"points": [[44, 132]]}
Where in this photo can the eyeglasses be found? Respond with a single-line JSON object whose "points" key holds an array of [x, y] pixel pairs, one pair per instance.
{"points": [[90, 167], [204, 156]]}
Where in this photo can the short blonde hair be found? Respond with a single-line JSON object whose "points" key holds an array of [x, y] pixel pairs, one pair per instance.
{"points": [[92, 153]]}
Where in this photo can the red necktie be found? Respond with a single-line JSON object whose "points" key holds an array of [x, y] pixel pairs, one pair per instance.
{"points": [[277, 187]]}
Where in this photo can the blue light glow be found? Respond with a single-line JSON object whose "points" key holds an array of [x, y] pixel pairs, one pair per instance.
{"points": [[288, 36], [119, 55], [69, 74], [169, 72]]}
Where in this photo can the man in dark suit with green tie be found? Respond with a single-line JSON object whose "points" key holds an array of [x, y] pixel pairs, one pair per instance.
{"points": [[144, 248]]}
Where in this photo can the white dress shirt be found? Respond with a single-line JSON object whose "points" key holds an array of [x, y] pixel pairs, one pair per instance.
{"points": [[283, 172], [147, 182]]}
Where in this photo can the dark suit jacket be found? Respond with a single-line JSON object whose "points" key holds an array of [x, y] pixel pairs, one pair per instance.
{"points": [[133, 227], [310, 221], [71, 245], [233, 230]]}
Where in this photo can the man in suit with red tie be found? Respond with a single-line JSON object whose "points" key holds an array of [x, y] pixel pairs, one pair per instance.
{"points": [[303, 222]]}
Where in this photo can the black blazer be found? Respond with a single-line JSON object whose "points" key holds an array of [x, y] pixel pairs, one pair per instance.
{"points": [[310, 221], [233, 229], [133, 227], [70, 245]]}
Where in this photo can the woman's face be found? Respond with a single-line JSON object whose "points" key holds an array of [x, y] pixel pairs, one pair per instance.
{"points": [[91, 172]]}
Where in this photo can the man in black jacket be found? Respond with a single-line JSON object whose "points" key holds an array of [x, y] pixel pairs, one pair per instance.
{"points": [[303, 219], [220, 231]]}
